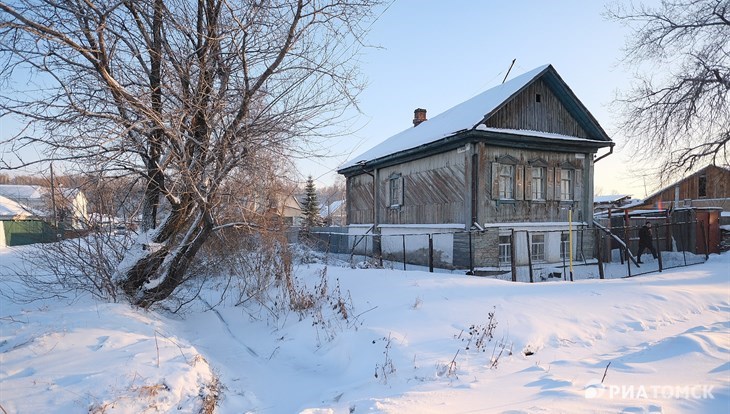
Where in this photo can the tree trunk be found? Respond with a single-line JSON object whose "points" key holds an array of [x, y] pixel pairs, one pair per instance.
{"points": [[181, 228]]}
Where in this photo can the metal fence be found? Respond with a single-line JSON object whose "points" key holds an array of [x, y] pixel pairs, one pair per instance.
{"points": [[599, 252]]}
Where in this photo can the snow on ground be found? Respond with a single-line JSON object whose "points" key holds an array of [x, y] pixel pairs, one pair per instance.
{"points": [[665, 335]]}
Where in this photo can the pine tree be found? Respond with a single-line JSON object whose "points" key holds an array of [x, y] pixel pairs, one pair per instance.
{"points": [[311, 205]]}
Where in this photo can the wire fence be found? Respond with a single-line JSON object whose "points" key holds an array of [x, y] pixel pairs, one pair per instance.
{"points": [[598, 252]]}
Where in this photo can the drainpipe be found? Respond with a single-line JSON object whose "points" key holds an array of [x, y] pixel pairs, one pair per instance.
{"points": [[610, 151]]}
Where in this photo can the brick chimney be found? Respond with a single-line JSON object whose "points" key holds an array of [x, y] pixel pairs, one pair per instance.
{"points": [[419, 115]]}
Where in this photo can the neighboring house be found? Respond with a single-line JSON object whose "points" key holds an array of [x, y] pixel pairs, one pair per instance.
{"points": [[71, 205], [32, 198], [334, 213], [613, 202], [704, 197], [290, 209], [516, 157], [18, 226], [708, 187]]}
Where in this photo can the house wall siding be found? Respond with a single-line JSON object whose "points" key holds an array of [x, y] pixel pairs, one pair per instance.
{"points": [[717, 187], [360, 199], [548, 115], [434, 190], [522, 209]]}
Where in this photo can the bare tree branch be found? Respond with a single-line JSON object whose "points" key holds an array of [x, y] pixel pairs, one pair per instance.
{"points": [[181, 94], [677, 113]]}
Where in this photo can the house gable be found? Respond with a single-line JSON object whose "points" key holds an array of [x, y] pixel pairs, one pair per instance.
{"points": [[499, 116], [716, 188], [537, 108]]}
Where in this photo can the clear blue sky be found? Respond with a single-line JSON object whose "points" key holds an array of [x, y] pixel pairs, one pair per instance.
{"points": [[436, 54]]}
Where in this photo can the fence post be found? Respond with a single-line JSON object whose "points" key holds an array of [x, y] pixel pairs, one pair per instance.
{"points": [[471, 256], [599, 254], [529, 255], [622, 252], [379, 250], [684, 242], [404, 251], [430, 253], [564, 253], [659, 251], [366, 247], [513, 262], [670, 236], [627, 252]]}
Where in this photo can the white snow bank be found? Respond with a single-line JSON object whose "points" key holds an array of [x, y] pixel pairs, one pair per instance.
{"points": [[94, 357], [666, 337]]}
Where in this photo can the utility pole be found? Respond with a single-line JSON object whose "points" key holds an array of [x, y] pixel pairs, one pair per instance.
{"points": [[53, 199]]}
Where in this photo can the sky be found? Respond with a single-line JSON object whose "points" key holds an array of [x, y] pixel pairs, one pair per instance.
{"points": [[435, 55]]}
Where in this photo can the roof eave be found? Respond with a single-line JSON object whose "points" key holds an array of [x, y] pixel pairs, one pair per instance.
{"points": [[467, 136]]}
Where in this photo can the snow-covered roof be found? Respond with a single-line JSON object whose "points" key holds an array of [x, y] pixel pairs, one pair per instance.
{"points": [[530, 133], [325, 210], [12, 210], [24, 192], [464, 116], [609, 198], [471, 114]]}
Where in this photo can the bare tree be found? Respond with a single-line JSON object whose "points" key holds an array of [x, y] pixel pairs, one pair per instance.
{"points": [[677, 113], [179, 94]]}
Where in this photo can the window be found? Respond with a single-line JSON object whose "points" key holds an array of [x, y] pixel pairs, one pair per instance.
{"points": [[538, 183], [702, 186], [505, 250], [537, 248], [507, 182], [395, 190], [566, 184], [564, 246]]}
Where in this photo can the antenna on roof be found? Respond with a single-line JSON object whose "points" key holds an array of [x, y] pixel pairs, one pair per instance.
{"points": [[508, 70]]}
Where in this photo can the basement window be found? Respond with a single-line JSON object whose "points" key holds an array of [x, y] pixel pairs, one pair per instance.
{"points": [[537, 247], [505, 250]]}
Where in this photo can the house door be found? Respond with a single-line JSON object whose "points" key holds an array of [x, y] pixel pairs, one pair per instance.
{"points": [[474, 188]]}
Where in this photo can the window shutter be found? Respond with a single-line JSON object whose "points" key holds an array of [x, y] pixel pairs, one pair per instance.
{"points": [[578, 185], [528, 183], [495, 180], [519, 182], [550, 183], [558, 183], [402, 194]]}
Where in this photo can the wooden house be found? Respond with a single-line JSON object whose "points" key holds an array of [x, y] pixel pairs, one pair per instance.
{"points": [[19, 226], [516, 159], [602, 203], [705, 196], [67, 206], [334, 213], [708, 187]]}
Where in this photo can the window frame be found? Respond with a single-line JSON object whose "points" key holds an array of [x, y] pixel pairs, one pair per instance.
{"points": [[702, 186], [541, 182], [571, 184], [564, 245], [395, 190], [505, 179], [537, 248], [504, 257]]}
